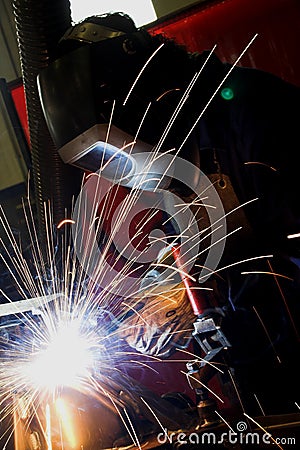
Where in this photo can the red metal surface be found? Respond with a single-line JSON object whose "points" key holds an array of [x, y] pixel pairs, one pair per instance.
{"points": [[232, 23], [18, 96]]}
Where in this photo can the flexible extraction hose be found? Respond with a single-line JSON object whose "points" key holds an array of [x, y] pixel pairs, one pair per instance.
{"points": [[40, 24]]}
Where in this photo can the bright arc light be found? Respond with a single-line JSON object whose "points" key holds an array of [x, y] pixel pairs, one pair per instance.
{"points": [[66, 359]]}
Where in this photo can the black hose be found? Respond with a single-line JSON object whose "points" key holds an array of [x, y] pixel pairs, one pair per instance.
{"points": [[40, 24]]}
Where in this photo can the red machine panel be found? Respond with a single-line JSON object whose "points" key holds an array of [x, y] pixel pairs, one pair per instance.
{"points": [[231, 24]]}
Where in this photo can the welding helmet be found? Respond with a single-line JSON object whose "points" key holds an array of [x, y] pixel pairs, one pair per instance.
{"points": [[109, 89]]}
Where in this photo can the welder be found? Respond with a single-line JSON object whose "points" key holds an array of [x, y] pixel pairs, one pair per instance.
{"points": [[244, 136]]}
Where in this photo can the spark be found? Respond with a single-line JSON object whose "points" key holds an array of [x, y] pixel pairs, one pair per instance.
{"points": [[141, 72], [182, 101], [151, 357], [221, 239], [263, 429], [122, 419], [92, 174], [293, 236], [226, 423], [188, 375], [267, 334], [177, 269], [265, 272], [261, 164], [166, 93], [217, 90], [242, 261], [48, 427], [133, 430], [195, 202], [236, 390], [259, 404], [197, 358], [64, 222], [144, 364], [135, 312], [157, 419], [129, 144], [114, 155]]}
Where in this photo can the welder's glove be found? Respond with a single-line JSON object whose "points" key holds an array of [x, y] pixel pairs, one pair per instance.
{"points": [[161, 320]]}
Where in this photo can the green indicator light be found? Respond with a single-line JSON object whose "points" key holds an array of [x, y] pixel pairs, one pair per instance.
{"points": [[227, 93]]}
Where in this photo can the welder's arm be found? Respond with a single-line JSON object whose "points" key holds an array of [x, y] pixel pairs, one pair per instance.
{"points": [[161, 319]]}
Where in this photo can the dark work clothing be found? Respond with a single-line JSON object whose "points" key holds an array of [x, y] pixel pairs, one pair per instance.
{"points": [[253, 138], [256, 139]]}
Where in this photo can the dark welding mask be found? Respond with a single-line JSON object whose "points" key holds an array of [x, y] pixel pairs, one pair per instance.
{"points": [[92, 119], [82, 96]]}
